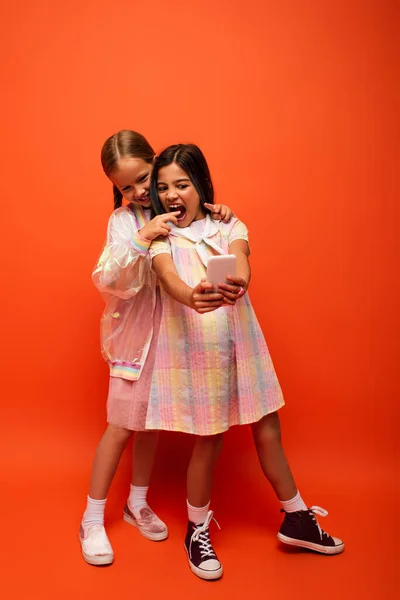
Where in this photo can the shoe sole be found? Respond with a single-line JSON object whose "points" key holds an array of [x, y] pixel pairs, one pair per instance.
{"points": [[310, 546], [207, 575], [97, 561], [154, 537]]}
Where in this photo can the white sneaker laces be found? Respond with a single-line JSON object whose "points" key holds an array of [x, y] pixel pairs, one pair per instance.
{"points": [[323, 513], [202, 535]]}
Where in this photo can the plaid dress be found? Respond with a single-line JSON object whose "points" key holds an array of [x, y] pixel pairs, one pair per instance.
{"points": [[211, 371]]}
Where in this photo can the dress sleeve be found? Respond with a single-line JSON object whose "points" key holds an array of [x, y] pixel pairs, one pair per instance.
{"points": [[238, 231], [160, 245]]}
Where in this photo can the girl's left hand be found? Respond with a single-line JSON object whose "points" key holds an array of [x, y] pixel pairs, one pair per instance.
{"points": [[233, 291], [219, 212]]}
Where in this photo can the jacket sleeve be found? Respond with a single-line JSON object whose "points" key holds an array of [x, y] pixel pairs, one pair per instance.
{"points": [[124, 265]]}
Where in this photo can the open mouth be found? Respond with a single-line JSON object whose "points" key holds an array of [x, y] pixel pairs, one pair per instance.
{"points": [[178, 208]]}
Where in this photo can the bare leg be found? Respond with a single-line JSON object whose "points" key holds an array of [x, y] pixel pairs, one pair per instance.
{"points": [[106, 460], [144, 453], [267, 439], [201, 467], [300, 527]]}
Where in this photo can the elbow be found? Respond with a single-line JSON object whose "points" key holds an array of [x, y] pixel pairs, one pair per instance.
{"points": [[245, 251], [163, 280], [106, 285]]}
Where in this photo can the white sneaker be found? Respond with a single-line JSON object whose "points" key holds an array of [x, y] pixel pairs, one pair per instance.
{"points": [[96, 547]]}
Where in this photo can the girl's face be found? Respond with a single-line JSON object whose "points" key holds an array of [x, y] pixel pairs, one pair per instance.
{"points": [[132, 178], [177, 193]]}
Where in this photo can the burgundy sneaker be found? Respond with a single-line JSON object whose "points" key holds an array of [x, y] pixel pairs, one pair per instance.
{"points": [[202, 559], [302, 529], [149, 525]]}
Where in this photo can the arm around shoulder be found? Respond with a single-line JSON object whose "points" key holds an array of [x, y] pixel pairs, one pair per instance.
{"points": [[123, 268]]}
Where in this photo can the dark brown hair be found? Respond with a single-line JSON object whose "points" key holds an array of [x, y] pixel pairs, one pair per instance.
{"points": [[124, 144]]}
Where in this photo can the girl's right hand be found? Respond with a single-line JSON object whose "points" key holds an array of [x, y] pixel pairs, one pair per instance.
{"points": [[203, 301], [234, 289], [158, 226]]}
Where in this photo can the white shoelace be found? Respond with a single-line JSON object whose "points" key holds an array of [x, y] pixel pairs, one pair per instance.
{"points": [[201, 534], [323, 513]]}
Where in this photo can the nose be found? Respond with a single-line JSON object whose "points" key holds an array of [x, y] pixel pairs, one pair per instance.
{"points": [[172, 195], [140, 192]]}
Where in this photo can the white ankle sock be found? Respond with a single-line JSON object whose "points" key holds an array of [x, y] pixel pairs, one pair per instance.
{"points": [[294, 504], [94, 513], [197, 515], [137, 497]]}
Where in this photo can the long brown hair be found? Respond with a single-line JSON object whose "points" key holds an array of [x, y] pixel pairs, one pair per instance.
{"points": [[124, 144]]}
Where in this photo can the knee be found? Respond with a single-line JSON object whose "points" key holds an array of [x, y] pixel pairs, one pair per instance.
{"points": [[267, 431], [210, 444], [146, 440], [147, 436], [119, 435], [218, 444]]}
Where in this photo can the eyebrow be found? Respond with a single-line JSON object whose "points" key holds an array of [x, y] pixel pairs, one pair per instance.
{"points": [[175, 181]]}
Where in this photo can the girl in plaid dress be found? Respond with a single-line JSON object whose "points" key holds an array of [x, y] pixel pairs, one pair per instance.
{"points": [[212, 367]]}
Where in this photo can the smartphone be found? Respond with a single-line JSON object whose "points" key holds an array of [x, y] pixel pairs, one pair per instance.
{"points": [[219, 267]]}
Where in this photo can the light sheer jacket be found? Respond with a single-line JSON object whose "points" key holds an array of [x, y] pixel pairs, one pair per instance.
{"points": [[124, 277]]}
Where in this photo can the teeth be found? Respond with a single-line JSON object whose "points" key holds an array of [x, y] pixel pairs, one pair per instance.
{"points": [[179, 208]]}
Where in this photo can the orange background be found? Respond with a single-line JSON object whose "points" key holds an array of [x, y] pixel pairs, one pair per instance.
{"points": [[294, 106]]}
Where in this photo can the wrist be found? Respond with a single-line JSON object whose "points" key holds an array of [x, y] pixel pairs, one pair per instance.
{"points": [[190, 300], [140, 243], [142, 235]]}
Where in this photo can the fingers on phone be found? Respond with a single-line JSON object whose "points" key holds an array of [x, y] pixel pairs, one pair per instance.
{"points": [[229, 291]]}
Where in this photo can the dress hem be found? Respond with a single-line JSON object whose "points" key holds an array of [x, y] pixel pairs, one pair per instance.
{"points": [[224, 430]]}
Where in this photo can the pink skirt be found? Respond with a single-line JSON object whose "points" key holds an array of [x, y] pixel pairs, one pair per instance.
{"points": [[127, 401]]}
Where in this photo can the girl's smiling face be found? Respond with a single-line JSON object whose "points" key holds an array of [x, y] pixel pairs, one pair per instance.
{"points": [[132, 178], [177, 193]]}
